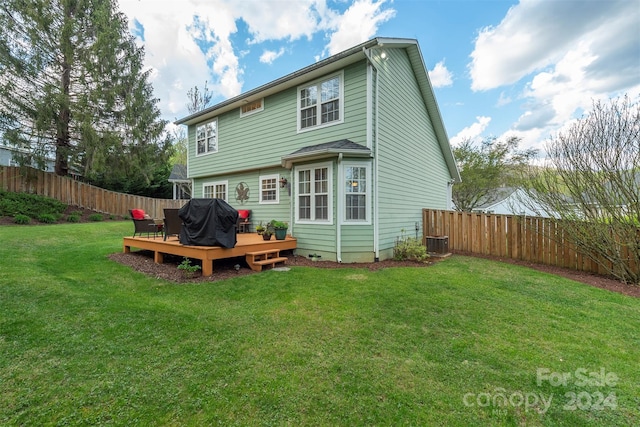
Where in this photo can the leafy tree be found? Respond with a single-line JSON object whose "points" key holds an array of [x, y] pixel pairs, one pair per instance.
{"points": [[591, 185], [180, 145], [486, 167], [72, 83]]}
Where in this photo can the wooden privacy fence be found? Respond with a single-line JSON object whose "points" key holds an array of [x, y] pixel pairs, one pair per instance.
{"points": [[76, 193], [533, 239]]}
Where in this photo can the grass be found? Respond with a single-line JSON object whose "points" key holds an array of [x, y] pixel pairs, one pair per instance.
{"points": [[86, 341]]}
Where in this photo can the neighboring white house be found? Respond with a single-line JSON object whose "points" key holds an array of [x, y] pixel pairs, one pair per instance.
{"points": [[7, 157], [181, 184], [511, 201]]}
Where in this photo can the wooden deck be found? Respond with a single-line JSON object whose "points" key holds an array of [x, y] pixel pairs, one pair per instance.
{"points": [[247, 245]]}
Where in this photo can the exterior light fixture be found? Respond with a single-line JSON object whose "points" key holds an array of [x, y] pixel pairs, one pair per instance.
{"points": [[283, 182]]}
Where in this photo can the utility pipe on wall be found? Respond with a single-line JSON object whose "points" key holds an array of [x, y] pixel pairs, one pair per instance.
{"points": [[339, 216]]}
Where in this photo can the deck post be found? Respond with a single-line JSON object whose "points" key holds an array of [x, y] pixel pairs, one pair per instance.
{"points": [[207, 267]]}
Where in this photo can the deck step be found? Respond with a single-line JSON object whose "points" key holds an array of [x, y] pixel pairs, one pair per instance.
{"points": [[271, 261], [266, 252], [258, 259]]}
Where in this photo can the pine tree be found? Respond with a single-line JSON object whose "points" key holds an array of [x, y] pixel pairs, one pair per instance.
{"points": [[72, 83]]}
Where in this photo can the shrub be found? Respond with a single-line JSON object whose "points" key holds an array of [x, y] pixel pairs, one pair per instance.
{"points": [[409, 248], [31, 205], [188, 269], [21, 219], [47, 218], [95, 217], [73, 218]]}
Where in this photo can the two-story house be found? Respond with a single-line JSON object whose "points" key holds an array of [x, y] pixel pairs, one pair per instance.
{"points": [[347, 151]]}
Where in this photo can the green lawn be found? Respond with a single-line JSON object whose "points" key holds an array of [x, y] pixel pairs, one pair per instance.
{"points": [[86, 341]]}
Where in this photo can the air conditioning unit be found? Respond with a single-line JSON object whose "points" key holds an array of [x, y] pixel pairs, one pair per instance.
{"points": [[438, 244]]}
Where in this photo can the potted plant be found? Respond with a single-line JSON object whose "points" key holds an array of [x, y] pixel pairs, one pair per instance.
{"points": [[280, 228], [267, 233], [260, 228]]}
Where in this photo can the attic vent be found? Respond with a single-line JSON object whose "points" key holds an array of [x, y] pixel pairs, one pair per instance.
{"points": [[251, 107]]}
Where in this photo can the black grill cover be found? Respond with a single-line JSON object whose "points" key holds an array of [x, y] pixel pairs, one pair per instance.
{"points": [[208, 222]]}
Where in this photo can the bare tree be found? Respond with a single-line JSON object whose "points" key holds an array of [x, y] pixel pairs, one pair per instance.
{"points": [[591, 184], [198, 99]]}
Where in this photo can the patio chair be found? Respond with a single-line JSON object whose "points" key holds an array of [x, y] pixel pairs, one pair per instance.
{"points": [[144, 224], [244, 221], [172, 223]]}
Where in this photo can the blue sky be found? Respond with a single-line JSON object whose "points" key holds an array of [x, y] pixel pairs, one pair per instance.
{"points": [[499, 68]]}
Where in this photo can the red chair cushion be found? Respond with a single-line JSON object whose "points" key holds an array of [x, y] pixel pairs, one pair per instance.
{"points": [[243, 213], [137, 213]]}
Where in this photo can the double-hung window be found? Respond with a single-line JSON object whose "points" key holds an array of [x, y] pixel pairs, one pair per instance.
{"points": [[215, 190], [314, 194], [357, 193], [321, 103], [269, 189], [207, 137]]}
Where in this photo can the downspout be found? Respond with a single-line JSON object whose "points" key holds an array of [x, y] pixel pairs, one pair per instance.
{"points": [[291, 203], [338, 212], [374, 143]]}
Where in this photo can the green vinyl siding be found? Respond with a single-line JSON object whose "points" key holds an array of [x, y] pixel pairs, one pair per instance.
{"points": [[408, 174], [259, 212], [357, 243], [261, 139], [412, 173]]}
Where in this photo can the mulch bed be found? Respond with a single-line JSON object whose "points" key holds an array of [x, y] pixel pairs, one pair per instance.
{"points": [[142, 261]]}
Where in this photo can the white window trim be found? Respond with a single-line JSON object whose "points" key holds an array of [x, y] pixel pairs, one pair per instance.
{"points": [[253, 111], [269, 202], [330, 214], [318, 82], [217, 137], [342, 194], [214, 183]]}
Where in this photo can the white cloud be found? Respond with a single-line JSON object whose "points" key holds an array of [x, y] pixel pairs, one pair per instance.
{"points": [[440, 76], [358, 24], [563, 54], [282, 20], [174, 43], [473, 131], [196, 35], [268, 56], [503, 100], [536, 33]]}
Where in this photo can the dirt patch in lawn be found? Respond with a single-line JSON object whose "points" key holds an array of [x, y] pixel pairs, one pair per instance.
{"points": [[142, 261]]}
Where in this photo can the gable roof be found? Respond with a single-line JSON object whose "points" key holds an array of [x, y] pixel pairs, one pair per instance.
{"points": [[337, 62], [179, 174]]}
